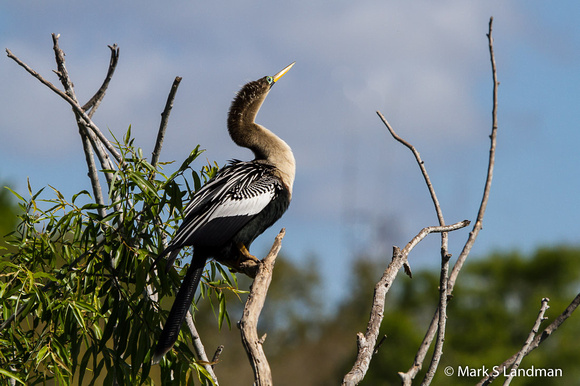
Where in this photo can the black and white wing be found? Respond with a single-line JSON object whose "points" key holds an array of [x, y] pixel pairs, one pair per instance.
{"points": [[226, 203]]}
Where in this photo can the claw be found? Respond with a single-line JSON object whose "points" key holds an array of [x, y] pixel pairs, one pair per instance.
{"points": [[245, 254]]}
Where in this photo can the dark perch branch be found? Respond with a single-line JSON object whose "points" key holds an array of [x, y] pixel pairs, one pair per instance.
{"points": [[366, 343], [164, 120], [249, 322], [538, 339], [430, 334]]}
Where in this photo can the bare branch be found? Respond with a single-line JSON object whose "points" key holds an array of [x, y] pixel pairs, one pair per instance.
{"points": [[216, 355], [538, 339], [75, 105], [441, 321], [93, 174], [87, 139], [249, 322], [491, 163], [528, 342], [198, 347], [164, 120], [95, 101], [421, 165], [445, 256], [430, 334], [366, 343]]}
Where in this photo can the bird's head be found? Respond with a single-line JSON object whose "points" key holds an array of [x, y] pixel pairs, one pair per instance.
{"points": [[249, 99]]}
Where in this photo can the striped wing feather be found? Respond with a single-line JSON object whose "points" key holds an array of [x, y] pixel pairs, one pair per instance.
{"points": [[225, 204]]}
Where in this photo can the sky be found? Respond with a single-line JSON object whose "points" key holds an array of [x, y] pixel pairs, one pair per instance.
{"points": [[423, 64]]}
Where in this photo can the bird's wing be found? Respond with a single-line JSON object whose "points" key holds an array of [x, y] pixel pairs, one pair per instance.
{"points": [[226, 203]]}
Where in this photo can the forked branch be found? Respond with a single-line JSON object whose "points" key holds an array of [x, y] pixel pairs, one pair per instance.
{"points": [[366, 343], [537, 340], [438, 317]]}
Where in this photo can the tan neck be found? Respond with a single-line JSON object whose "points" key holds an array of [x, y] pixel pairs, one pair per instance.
{"points": [[266, 145]]}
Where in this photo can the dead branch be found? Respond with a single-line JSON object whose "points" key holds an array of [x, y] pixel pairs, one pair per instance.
{"points": [[75, 105], [198, 347], [95, 101], [538, 339], [531, 336], [435, 321], [87, 138], [445, 256], [490, 166], [366, 343], [164, 120], [249, 322]]}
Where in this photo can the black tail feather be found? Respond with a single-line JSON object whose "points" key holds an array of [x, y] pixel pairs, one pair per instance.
{"points": [[179, 309]]}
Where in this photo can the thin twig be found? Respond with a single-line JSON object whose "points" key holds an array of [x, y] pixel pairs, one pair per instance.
{"points": [[87, 136], [528, 342], [445, 257], [76, 107], [198, 347], [93, 174], [421, 164], [86, 139], [95, 101], [430, 334], [216, 355], [164, 120], [538, 339], [491, 163], [367, 342], [249, 322], [441, 321]]}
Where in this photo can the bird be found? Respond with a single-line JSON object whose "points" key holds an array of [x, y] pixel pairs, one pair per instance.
{"points": [[238, 204]]}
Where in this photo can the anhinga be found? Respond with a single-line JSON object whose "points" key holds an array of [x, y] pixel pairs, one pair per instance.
{"points": [[235, 206]]}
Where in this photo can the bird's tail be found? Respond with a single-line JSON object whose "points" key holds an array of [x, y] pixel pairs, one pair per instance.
{"points": [[179, 309]]}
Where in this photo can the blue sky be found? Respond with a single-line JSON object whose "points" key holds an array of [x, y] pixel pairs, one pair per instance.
{"points": [[424, 65]]}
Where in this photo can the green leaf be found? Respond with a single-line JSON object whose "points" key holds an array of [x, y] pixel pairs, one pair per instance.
{"points": [[10, 375], [127, 137], [16, 194]]}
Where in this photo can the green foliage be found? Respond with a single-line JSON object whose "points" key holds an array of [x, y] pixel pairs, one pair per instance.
{"points": [[78, 296]]}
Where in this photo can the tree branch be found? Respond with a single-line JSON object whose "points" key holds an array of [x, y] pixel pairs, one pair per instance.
{"points": [[531, 336], [430, 334], [491, 163], [367, 342], [252, 309], [164, 120], [445, 257], [95, 101], [198, 347], [538, 339], [75, 105]]}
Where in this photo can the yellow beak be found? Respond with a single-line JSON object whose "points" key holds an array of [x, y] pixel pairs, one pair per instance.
{"points": [[281, 73]]}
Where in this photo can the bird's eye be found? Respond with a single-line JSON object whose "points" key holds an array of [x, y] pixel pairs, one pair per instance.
{"points": [[269, 79]]}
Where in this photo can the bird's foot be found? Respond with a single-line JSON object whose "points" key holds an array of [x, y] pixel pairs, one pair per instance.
{"points": [[245, 254], [246, 262]]}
